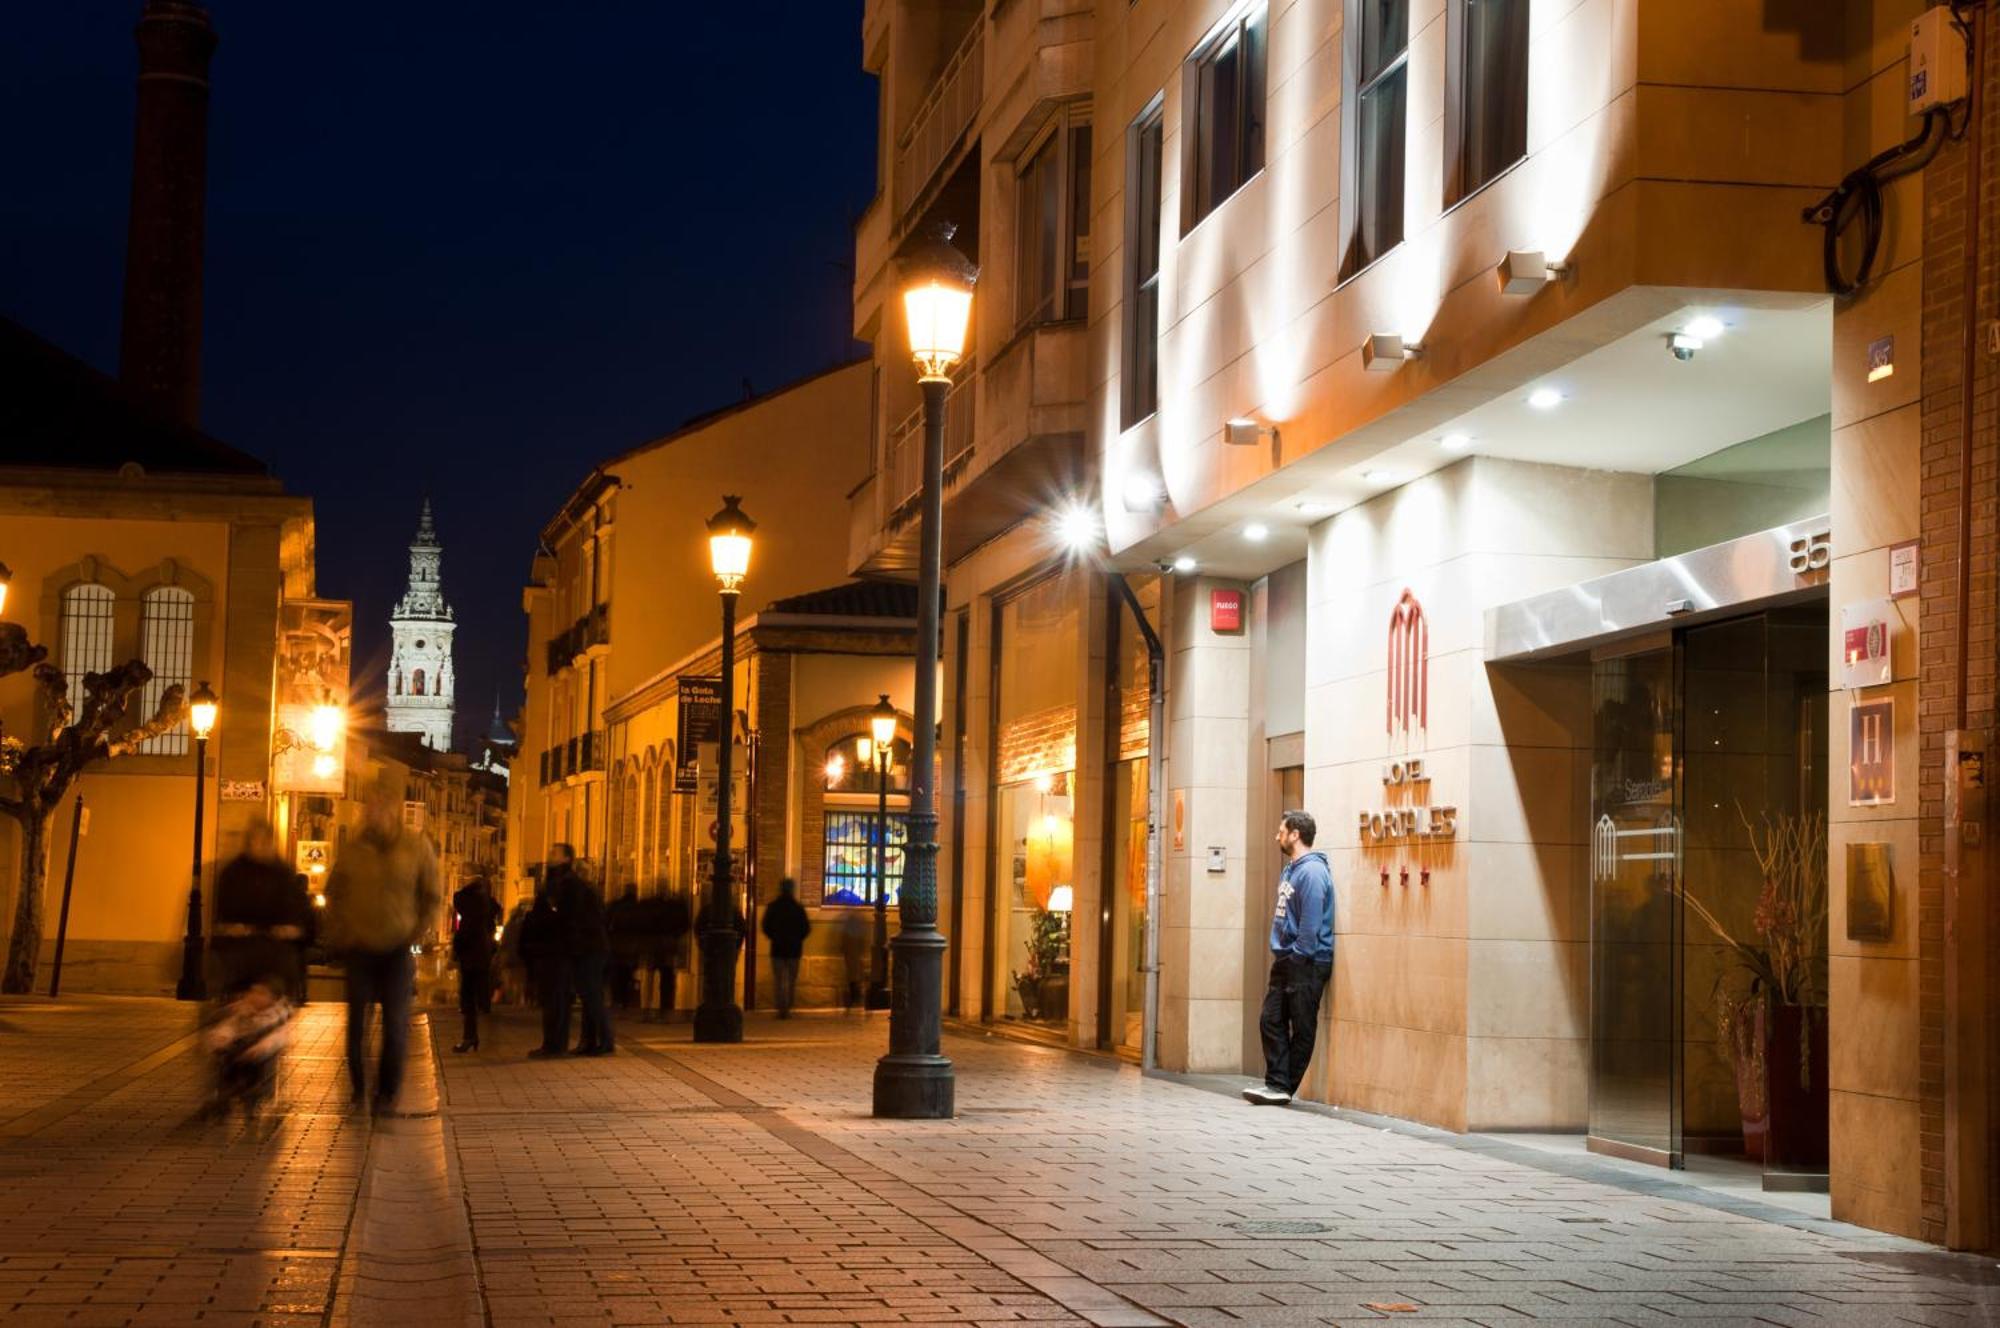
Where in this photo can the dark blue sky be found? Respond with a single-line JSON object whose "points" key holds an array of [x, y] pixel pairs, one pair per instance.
{"points": [[469, 249]]}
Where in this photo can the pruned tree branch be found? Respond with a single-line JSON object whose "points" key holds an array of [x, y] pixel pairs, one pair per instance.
{"points": [[173, 709], [16, 651]]}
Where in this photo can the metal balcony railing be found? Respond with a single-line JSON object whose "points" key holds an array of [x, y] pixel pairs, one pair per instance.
{"points": [[941, 120], [903, 459]]}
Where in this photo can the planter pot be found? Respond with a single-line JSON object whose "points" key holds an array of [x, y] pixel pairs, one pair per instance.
{"points": [[1795, 1078], [1030, 991], [1751, 1101]]}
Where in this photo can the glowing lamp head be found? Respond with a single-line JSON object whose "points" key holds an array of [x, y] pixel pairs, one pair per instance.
{"points": [[882, 725], [1062, 899], [202, 710], [1076, 528], [864, 750], [324, 766], [836, 770], [323, 726], [729, 533], [937, 301], [6, 575]]}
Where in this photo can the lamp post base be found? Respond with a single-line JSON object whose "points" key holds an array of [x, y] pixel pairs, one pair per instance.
{"points": [[718, 1018], [915, 1081], [877, 998]]}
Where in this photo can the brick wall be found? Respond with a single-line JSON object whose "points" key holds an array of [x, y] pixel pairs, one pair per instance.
{"points": [[1946, 323], [772, 715]]}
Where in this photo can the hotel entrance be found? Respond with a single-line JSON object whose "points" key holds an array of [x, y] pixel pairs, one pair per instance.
{"points": [[1708, 902]]}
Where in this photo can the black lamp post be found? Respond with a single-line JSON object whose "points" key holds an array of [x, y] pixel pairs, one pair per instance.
{"points": [[202, 708], [719, 1018], [915, 1081], [882, 735]]}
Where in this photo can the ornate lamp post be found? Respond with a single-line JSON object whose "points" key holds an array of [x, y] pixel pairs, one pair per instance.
{"points": [[202, 710], [719, 1018], [882, 739], [914, 1081]]}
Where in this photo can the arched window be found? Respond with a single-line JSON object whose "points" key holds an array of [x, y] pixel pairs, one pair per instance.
{"points": [[86, 635], [417, 683], [399, 682], [166, 641], [864, 838]]}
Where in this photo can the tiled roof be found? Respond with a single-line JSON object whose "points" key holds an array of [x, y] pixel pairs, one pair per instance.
{"points": [[856, 599]]}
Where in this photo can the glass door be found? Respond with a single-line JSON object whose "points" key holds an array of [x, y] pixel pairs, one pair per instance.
{"points": [[1634, 919]]}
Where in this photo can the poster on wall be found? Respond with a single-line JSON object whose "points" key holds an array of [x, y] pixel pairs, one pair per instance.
{"points": [[1871, 753], [699, 721]]}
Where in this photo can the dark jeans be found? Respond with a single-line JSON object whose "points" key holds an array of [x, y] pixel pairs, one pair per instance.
{"points": [[378, 978], [552, 985], [1290, 1023], [475, 994], [588, 972], [785, 978]]}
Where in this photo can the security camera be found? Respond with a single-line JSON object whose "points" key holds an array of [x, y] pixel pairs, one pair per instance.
{"points": [[1682, 346]]}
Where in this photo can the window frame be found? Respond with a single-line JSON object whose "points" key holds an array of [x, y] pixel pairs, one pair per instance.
{"points": [[1355, 90], [177, 633], [1251, 110], [1142, 351], [1460, 87], [1068, 298]]}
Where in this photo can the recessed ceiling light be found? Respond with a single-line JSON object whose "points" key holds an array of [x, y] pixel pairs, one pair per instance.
{"points": [[1704, 328], [1184, 563], [1455, 442], [1373, 476], [1545, 398], [1256, 532], [1314, 507]]}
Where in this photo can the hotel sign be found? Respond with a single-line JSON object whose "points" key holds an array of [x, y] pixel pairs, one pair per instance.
{"points": [[1410, 822], [1406, 816]]}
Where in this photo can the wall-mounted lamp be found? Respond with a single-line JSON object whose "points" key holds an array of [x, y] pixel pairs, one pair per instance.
{"points": [[1525, 271], [1241, 432], [1385, 352], [1143, 491]]}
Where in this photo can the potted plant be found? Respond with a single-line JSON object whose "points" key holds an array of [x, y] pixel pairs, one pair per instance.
{"points": [[1044, 984], [1776, 1030]]}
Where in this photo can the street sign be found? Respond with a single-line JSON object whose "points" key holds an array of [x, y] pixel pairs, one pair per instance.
{"points": [[707, 761], [699, 722]]}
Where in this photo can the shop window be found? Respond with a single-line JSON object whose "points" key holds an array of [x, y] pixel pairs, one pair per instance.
{"points": [[1052, 218], [866, 822], [1377, 82], [86, 635], [1139, 392], [1488, 61], [166, 632], [1223, 104]]}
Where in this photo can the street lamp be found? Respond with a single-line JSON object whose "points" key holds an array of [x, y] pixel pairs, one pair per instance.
{"points": [[6, 577], [202, 710], [882, 737], [914, 1080], [719, 1018]]}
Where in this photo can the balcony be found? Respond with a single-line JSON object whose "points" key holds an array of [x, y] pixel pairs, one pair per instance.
{"points": [[941, 123], [585, 756], [588, 634], [882, 512]]}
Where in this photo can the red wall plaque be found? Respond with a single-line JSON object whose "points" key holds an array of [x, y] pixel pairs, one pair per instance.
{"points": [[1225, 610]]}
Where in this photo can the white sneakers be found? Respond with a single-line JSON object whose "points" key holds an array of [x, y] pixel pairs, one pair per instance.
{"points": [[1263, 1095]]}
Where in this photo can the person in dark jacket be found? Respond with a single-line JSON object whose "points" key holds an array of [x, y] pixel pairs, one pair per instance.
{"points": [[588, 946], [1301, 962], [263, 919], [625, 920], [476, 917], [785, 926], [542, 953]]}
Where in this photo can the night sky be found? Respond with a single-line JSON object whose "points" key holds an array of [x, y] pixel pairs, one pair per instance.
{"points": [[461, 249]]}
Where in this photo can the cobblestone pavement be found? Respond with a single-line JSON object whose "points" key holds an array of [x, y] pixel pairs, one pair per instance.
{"points": [[676, 1183]]}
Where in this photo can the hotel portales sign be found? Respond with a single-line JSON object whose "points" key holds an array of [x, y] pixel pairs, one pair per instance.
{"points": [[1407, 818]]}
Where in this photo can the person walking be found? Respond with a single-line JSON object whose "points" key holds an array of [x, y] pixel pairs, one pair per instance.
{"points": [[854, 953], [625, 920], [473, 946], [380, 899], [547, 967], [515, 988], [1301, 962], [263, 921], [786, 926], [587, 945]]}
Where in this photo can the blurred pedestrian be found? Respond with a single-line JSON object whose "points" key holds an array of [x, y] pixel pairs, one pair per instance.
{"points": [[263, 920], [853, 950], [543, 953], [624, 919], [665, 925], [514, 985], [786, 926], [474, 942], [588, 945], [380, 897]]}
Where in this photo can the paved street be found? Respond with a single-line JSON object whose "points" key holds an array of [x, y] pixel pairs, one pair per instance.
{"points": [[683, 1184]]}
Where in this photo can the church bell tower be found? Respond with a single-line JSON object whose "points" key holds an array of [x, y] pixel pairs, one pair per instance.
{"points": [[421, 678]]}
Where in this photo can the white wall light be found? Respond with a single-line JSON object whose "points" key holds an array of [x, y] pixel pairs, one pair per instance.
{"points": [[1241, 432], [1704, 328], [1455, 442], [1525, 271], [1384, 352], [1545, 398], [1184, 564], [1256, 532], [1143, 492]]}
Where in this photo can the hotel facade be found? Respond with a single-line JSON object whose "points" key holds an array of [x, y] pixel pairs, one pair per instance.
{"points": [[1468, 413]]}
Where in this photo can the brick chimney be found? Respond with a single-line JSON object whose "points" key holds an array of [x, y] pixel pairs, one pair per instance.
{"points": [[159, 359]]}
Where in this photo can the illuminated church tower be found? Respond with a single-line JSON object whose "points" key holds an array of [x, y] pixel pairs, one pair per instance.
{"points": [[421, 679]]}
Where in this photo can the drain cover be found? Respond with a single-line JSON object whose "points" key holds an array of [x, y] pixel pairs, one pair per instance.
{"points": [[1278, 1228]]}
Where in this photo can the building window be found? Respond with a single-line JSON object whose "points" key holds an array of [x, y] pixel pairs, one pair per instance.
{"points": [[1488, 61], [86, 636], [1223, 108], [167, 645], [1378, 79], [851, 837], [417, 683], [1139, 390], [864, 810], [1052, 214]]}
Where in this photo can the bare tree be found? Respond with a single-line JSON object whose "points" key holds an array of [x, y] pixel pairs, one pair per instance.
{"points": [[42, 773]]}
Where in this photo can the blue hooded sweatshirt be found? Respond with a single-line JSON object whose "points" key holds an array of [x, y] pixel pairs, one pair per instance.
{"points": [[1303, 922]]}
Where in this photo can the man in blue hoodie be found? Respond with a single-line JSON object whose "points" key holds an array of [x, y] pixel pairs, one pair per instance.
{"points": [[1301, 962]]}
